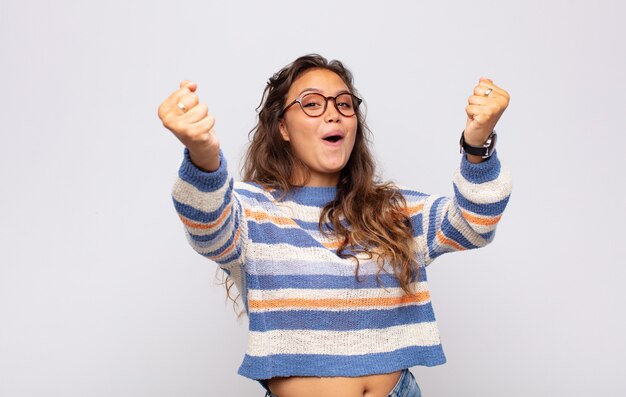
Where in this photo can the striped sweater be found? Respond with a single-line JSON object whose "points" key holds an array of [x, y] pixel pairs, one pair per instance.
{"points": [[308, 314]]}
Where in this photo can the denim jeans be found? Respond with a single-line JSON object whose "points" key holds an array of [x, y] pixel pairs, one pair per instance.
{"points": [[405, 387]]}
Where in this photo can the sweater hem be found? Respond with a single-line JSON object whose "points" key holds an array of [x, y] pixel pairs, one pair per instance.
{"points": [[263, 368]]}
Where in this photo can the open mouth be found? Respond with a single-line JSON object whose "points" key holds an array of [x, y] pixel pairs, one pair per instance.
{"points": [[333, 138]]}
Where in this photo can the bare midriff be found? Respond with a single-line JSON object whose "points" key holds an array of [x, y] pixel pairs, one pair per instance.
{"points": [[379, 385]]}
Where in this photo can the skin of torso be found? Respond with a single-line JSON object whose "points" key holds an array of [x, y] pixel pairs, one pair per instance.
{"points": [[378, 385]]}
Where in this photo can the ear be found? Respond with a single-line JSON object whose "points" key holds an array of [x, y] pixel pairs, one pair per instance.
{"points": [[283, 130]]}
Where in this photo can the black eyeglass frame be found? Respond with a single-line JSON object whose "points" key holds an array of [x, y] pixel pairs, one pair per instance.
{"points": [[326, 98]]}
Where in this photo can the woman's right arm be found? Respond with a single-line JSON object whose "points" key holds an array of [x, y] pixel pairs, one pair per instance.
{"points": [[203, 193]]}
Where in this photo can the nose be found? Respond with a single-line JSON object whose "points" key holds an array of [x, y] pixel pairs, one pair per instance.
{"points": [[331, 113]]}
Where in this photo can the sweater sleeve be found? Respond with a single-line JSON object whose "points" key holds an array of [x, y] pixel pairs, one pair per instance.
{"points": [[211, 212], [467, 220]]}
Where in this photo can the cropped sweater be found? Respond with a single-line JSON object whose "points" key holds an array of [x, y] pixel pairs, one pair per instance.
{"points": [[308, 313]]}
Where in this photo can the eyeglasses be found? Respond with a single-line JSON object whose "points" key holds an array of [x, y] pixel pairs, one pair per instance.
{"points": [[314, 104]]}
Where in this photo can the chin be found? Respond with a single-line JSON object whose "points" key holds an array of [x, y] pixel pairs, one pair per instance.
{"points": [[332, 170], [336, 164]]}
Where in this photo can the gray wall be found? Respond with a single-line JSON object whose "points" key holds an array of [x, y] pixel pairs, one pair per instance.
{"points": [[100, 295]]}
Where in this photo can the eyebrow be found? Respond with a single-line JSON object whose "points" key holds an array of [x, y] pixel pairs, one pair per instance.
{"points": [[318, 90]]}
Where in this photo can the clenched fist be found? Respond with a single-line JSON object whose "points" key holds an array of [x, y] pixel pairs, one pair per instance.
{"points": [[484, 111], [191, 123]]}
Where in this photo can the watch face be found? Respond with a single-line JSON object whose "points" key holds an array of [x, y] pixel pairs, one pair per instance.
{"points": [[492, 146]]}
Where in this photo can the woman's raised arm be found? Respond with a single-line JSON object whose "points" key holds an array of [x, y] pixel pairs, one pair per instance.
{"points": [[203, 193]]}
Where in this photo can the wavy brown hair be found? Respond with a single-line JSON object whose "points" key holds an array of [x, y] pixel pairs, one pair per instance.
{"points": [[378, 223]]}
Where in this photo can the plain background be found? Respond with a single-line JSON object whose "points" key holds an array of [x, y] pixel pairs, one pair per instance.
{"points": [[100, 294]]}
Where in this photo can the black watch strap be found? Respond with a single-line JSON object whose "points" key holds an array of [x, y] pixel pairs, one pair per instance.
{"points": [[485, 151]]}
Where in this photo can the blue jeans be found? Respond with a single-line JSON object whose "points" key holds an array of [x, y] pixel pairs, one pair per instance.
{"points": [[405, 387]]}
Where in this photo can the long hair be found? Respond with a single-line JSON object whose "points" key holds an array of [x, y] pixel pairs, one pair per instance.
{"points": [[378, 224]]}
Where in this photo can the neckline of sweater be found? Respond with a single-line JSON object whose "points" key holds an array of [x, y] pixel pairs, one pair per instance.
{"points": [[310, 195]]}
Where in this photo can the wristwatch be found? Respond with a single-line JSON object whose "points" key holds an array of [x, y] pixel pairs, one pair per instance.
{"points": [[485, 151]]}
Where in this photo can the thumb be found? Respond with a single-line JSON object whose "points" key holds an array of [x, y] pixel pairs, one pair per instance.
{"points": [[189, 84]]}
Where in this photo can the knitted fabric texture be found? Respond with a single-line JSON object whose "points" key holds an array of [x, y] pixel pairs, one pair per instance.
{"points": [[308, 314]]}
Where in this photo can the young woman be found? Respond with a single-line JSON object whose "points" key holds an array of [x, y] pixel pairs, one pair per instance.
{"points": [[329, 261]]}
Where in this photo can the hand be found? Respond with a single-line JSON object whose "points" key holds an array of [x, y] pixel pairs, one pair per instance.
{"points": [[483, 112], [193, 127]]}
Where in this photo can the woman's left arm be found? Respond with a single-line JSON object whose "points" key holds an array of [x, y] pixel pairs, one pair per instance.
{"points": [[482, 187]]}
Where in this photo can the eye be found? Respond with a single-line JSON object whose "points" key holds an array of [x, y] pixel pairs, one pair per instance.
{"points": [[344, 101], [312, 100]]}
